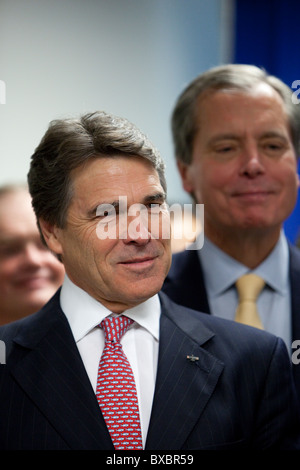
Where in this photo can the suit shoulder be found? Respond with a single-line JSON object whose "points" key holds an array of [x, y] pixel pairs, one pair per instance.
{"points": [[294, 252], [33, 324], [228, 333], [182, 259], [185, 268]]}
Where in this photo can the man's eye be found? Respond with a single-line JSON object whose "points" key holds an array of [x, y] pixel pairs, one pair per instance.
{"points": [[10, 250], [155, 207], [158, 208], [108, 213], [225, 149], [274, 146], [105, 211]]}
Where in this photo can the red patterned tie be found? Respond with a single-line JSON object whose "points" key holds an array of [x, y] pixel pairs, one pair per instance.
{"points": [[116, 390]]}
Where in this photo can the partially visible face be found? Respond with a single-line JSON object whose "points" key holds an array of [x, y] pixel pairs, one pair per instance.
{"points": [[29, 273], [123, 271], [243, 166]]}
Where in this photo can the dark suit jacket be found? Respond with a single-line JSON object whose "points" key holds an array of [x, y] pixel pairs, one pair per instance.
{"points": [[236, 394], [185, 285]]}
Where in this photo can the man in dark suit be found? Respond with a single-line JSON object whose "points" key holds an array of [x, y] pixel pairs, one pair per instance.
{"points": [[189, 380], [236, 137]]}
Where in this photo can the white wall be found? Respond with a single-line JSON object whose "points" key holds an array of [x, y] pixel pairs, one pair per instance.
{"points": [[129, 57]]}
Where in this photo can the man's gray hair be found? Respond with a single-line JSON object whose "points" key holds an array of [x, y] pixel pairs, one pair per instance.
{"points": [[225, 77], [69, 143]]}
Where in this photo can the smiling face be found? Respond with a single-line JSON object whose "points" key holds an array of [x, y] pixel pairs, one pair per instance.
{"points": [[126, 270], [29, 273], [243, 165]]}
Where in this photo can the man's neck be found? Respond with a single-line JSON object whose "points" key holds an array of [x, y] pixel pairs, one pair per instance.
{"points": [[248, 247]]}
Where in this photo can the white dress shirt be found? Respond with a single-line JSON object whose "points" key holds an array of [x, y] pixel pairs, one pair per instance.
{"points": [[140, 342], [273, 304]]}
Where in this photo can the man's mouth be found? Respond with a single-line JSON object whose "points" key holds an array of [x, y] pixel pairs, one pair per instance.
{"points": [[253, 195], [32, 282], [139, 262]]}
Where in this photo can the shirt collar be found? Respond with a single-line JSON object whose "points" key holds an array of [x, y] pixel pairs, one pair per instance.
{"points": [[85, 313], [222, 271], [275, 268]]}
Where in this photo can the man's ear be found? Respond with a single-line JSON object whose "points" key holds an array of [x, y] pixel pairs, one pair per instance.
{"points": [[185, 173], [51, 235]]}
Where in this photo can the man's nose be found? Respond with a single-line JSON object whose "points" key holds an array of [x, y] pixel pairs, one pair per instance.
{"points": [[33, 254], [138, 229], [251, 161]]}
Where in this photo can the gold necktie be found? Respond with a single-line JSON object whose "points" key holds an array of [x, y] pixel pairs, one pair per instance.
{"points": [[249, 286]]}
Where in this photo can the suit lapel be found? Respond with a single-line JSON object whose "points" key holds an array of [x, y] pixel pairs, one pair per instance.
{"points": [[47, 365], [52, 373], [183, 386], [295, 290], [295, 300]]}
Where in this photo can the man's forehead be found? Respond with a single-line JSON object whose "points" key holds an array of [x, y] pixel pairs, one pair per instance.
{"points": [[257, 90], [100, 168], [105, 180], [14, 236]]}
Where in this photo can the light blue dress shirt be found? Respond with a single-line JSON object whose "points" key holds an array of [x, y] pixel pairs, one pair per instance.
{"points": [[273, 304]]}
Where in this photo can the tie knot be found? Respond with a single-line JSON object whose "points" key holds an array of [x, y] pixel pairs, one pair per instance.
{"points": [[115, 327], [249, 286]]}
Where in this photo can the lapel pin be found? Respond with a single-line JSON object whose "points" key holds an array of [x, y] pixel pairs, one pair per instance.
{"points": [[192, 358]]}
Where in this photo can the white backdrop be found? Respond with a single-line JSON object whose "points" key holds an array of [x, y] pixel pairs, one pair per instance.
{"points": [[61, 58]]}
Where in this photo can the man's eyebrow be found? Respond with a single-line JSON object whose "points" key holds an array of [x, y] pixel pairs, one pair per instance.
{"points": [[270, 134], [264, 135], [148, 199], [92, 212], [220, 137], [155, 198], [10, 240]]}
